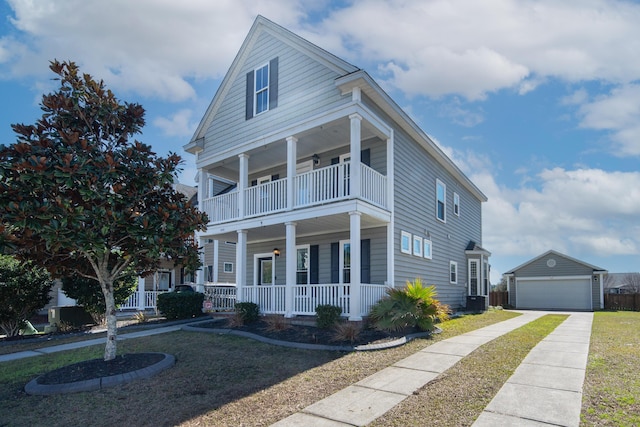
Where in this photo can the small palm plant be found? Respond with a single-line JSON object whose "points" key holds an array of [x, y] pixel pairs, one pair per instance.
{"points": [[413, 306]]}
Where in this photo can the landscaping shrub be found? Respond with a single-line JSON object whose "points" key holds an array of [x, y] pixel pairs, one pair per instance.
{"points": [[327, 315], [276, 323], [412, 307], [24, 289], [346, 331], [180, 305], [247, 312]]}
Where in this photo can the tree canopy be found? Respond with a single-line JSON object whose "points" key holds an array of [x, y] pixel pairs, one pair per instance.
{"points": [[79, 196]]}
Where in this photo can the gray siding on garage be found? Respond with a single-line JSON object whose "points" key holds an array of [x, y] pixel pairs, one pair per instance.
{"points": [[564, 267]]}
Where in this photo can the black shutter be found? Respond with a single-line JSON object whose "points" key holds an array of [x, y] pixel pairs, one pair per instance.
{"points": [[314, 265], [335, 263], [335, 160], [275, 177], [365, 261], [365, 157], [249, 96], [254, 182], [273, 83]]}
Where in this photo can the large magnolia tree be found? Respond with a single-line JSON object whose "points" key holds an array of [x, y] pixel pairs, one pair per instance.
{"points": [[79, 196]]}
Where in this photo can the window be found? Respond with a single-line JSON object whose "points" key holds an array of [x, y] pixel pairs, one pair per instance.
{"points": [[262, 89], [417, 246], [228, 267], [441, 201], [261, 85], [405, 242], [427, 248], [302, 265], [456, 204], [453, 272]]}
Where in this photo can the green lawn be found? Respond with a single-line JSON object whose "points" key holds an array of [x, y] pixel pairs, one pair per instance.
{"points": [[611, 392]]}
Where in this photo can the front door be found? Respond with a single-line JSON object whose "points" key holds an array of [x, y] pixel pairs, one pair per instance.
{"points": [[265, 271]]}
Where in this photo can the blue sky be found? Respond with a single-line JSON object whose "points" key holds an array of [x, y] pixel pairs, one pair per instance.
{"points": [[538, 102]]}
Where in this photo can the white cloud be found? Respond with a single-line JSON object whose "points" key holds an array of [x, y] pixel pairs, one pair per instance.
{"points": [[180, 123], [473, 48], [460, 115], [618, 112], [578, 97], [146, 46]]}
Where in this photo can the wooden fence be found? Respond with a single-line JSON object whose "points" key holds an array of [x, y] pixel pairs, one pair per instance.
{"points": [[498, 298], [630, 302]]}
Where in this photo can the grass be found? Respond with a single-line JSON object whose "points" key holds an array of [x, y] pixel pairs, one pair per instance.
{"points": [[458, 397], [611, 392], [218, 380]]}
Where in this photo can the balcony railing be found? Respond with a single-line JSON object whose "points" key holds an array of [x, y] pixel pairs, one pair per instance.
{"points": [[325, 185]]}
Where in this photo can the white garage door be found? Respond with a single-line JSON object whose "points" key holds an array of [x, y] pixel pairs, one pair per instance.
{"points": [[572, 294]]}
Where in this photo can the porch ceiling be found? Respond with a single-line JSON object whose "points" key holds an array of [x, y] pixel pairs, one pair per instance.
{"points": [[317, 140], [309, 227]]}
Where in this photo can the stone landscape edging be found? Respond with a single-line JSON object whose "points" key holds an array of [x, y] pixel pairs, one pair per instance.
{"points": [[34, 388], [307, 346]]}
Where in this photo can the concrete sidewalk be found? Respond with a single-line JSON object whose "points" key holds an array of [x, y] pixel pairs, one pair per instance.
{"points": [[86, 343], [546, 389], [363, 402]]}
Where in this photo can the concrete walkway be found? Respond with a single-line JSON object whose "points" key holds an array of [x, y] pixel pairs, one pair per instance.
{"points": [[86, 343], [363, 402], [546, 389]]}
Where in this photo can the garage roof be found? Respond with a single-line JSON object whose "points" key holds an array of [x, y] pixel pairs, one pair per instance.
{"points": [[556, 253]]}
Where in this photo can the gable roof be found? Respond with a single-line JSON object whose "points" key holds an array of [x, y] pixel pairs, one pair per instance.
{"points": [[556, 253], [351, 76], [262, 25]]}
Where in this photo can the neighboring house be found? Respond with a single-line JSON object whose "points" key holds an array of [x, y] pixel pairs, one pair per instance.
{"points": [[622, 283], [554, 281], [330, 192]]}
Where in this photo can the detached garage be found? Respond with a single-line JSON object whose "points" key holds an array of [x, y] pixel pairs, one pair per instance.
{"points": [[554, 281]]}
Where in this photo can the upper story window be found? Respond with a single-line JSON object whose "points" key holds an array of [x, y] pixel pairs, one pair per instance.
{"points": [[456, 204], [262, 89], [261, 98], [441, 201]]}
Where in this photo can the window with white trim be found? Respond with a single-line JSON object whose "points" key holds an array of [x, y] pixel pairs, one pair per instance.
{"points": [[302, 265], [428, 248], [456, 204], [405, 242], [441, 201], [261, 87], [453, 272], [228, 267], [417, 246]]}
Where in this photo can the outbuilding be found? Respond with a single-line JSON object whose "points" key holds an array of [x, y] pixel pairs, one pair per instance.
{"points": [[554, 281]]}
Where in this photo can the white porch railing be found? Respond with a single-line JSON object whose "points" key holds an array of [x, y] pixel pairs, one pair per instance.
{"points": [[133, 302], [219, 297], [266, 198], [270, 299], [316, 187]]}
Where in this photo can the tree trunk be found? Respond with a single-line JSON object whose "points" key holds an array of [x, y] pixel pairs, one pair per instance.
{"points": [[112, 324]]}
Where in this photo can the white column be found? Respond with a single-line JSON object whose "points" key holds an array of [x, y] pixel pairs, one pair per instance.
{"points": [[141, 296], [243, 182], [241, 264], [216, 261], [356, 121], [202, 190], [391, 231], [291, 268], [291, 169], [354, 237], [200, 274]]}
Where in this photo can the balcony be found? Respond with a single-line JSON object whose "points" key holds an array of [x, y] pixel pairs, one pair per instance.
{"points": [[317, 187]]}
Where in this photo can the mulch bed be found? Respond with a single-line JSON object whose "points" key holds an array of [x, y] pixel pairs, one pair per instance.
{"points": [[308, 334], [98, 368]]}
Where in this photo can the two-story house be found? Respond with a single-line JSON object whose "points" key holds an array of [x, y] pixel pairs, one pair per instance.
{"points": [[330, 192]]}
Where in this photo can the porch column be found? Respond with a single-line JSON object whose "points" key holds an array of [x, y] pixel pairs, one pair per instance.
{"points": [[291, 267], [243, 181], [202, 190], [356, 122], [215, 261], [291, 169], [241, 264], [200, 273], [141, 297], [391, 233], [354, 304]]}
